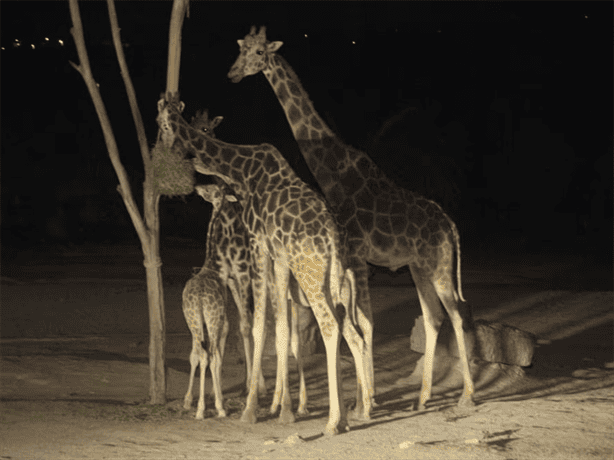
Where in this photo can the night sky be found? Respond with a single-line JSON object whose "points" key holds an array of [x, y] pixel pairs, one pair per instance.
{"points": [[501, 112]]}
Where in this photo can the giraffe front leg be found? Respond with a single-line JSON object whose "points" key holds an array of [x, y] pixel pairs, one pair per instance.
{"points": [[261, 264]]}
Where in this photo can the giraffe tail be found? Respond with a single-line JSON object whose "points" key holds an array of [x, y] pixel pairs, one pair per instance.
{"points": [[458, 258], [345, 292]]}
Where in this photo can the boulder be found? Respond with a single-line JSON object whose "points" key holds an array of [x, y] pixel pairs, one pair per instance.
{"points": [[491, 342]]}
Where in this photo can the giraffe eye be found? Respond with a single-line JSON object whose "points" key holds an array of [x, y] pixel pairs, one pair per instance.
{"points": [[259, 52]]}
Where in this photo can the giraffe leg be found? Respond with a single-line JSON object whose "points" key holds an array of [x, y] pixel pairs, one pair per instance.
{"points": [[282, 331], [357, 346], [450, 302], [277, 394], [261, 267], [331, 334], [216, 365], [246, 320], [194, 361], [204, 362], [337, 419], [433, 318], [365, 322], [295, 344]]}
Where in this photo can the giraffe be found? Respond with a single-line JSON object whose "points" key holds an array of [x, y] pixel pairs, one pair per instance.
{"points": [[204, 298], [227, 249], [231, 241], [386, 225], [233, 257], [288, 223]]}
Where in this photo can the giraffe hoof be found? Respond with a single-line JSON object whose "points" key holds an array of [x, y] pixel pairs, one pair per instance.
{"points": [[187, 405], [332, 429], [466, 401], [421, 407], [221, 413], [286, 416], [302, 411], [361, 415], [249, 417], [200, 416]]}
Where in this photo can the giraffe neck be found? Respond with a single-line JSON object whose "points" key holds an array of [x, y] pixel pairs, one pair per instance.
{"points": [[327, 157], [305, 122], [249, 170], [213, 234]]}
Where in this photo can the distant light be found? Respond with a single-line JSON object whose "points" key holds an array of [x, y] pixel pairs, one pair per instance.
{"points": [[61, 42], [46, 39], [3, 48], [438, 31], [306, 36], [33, 47], [353, 42], [586, 16]]}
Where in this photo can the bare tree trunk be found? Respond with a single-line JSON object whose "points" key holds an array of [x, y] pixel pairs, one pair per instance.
{"points": [[148, 231]]}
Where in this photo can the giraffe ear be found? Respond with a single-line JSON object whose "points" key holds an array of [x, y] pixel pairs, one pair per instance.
{"points": [[240, 42], [231, 198], [216, 121], [273, 46]]}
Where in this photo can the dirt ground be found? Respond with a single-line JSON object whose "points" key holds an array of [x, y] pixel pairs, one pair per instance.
{"points": [[75, 378]]}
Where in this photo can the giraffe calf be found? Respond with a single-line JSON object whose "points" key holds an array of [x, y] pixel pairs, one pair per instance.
{"points": [[204, 299]]}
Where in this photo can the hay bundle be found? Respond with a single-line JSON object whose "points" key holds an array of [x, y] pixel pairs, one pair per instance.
{"points": [[173, 173]]}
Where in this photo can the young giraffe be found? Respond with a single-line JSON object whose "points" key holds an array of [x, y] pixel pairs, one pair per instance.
{"points": [[234, 263], [386, 225], [204, 298], [288, 223]]}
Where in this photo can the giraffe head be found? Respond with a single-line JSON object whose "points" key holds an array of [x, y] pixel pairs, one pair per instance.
{"points": [[202, 122], [215, 194], [255, 54]]}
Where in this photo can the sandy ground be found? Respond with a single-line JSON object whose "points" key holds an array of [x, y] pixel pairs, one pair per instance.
{"points": [[75, 379]]}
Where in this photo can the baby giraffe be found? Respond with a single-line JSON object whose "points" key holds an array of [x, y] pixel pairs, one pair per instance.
{"points": [[204, 300], [290, 224]]}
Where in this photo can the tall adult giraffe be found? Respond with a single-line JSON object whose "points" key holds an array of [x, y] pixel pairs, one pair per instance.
{"points": [[386, 225], [229, 256], [290, 224]]}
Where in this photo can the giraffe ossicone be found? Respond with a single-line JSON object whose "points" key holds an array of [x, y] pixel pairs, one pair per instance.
{"points": [[386, 225], [289, 224]]}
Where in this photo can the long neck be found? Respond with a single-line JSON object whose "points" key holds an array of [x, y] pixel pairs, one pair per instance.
{"points": [[213, 235], [327, 157], [305, 122], [247, 169]]}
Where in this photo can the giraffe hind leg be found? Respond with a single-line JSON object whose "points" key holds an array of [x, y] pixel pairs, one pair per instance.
{"points": [[433, 315], [218, 343], [295, 344], [282, 330], [450, 301]]}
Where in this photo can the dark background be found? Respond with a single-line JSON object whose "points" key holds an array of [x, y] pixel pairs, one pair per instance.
{"points": [[501, 112]]}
